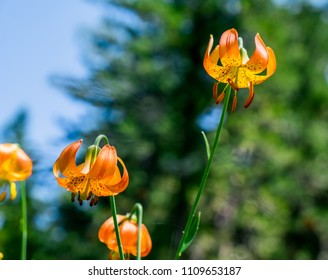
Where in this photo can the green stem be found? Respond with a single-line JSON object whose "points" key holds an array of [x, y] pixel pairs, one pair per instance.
{"points": [[99, 138], [138, 209], [205, 174], [117, 232], [24, 221]]}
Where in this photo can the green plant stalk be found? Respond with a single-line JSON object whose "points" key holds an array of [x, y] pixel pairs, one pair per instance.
{"points": [[205, 174], [117, 232], [112, 204], [24, 221], [138, 209], [99, 138]]}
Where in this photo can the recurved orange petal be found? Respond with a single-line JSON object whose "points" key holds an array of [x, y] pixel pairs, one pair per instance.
{"points": [[272, 64], [210, 62], [271, 68], [65, 164], [118, 183], [259, 59], [229, 49], [217, 72], [105, 164]]}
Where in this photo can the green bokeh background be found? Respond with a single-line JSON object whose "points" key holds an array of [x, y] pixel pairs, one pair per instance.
{"points": [[267, 193]]}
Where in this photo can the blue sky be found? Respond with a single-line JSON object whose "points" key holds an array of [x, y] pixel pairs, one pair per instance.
{"points": [[39, 39]]}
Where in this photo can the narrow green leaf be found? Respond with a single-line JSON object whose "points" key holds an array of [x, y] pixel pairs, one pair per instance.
{"points": [[191, 234], [207, 145]]}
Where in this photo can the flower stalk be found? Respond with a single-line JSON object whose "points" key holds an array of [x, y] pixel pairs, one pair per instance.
{"points": [[207, 169], [116, 227], [24, 221], [138, 210]]}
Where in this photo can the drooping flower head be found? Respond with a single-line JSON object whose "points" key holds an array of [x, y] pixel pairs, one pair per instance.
{"points": [[15, 165], [98, 176], [229, 63], [128, 229]]}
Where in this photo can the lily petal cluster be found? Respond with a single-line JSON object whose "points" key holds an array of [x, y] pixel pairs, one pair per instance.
{"points": [[128, 229], [15, 165], [98, 176], [229, 63]]}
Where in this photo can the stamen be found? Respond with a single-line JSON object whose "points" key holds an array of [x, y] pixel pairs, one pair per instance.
{"points": [[215, 90], [250, 96], [233, 85], [220, 98], [3, 196], [72, 197], [92, 201], [234, 103], [96, 200], [89, 196], [79, 200], [13, 191]]}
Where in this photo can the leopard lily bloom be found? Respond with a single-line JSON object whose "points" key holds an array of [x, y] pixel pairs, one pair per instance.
{"points": [[236, 68], [15, 165], [98, 176], [128, 229]]}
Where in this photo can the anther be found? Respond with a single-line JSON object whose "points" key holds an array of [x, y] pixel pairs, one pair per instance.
{"points": [[72, 197], [233, 85], [96, 200], [234, 103], [89, 196], [215, 90], [79, 200], [220, 98], [250, 96], [92, 202], [3, 196]]}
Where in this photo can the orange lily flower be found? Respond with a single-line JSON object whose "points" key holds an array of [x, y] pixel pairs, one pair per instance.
{"points": [[236, 69], [98, 176], [15, 165], [129, 235]]}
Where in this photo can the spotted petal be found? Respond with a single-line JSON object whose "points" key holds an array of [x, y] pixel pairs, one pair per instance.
{"points": [[65, 165], [259, 59], [229, 49], [210, 61], [271, 68]]}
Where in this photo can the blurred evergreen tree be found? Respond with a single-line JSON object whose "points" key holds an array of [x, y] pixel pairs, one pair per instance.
{"points": [[266, 197], [148, 86]]}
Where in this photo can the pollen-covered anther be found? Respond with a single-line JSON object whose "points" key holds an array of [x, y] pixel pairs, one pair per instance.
{"points": [[3, 196], [79, 199], [234, 103], [220, 98], [233, 85], [215, 90], [250, 96], [89, 196], [94, 200]]}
